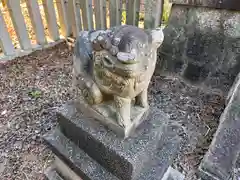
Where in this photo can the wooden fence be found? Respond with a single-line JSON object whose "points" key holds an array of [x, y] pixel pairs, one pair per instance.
{"points": [[65, 18]]}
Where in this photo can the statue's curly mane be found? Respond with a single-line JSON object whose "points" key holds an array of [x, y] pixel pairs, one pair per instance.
{"points": [[130, 37]]}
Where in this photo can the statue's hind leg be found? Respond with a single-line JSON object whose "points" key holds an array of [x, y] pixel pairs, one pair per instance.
{"points": [[142, 99]]}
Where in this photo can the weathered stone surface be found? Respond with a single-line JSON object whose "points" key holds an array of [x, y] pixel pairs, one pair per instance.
{"points": [[146, 154], [65, 170], [112, 70], [218, 4], [82, 164], [221, 157], [202, 45], [236, 174], [173, 174], [233, 89], [52, 174]]}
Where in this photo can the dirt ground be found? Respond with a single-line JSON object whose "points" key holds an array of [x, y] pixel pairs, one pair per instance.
{"points": [[33, 86]]}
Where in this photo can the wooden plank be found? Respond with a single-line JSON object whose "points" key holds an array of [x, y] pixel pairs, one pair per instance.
{"points": [[36, 20], [216, 4], [113, 12], [51, 19], [90, 14], [63, 17], [69, 15], [153, 12], [19, 23], [133, 9], [115, 8], [87, 18], [74, 8], [119, 12], [5, 40], [104, 14], [100, 13], [130, 14], [97, 13], [137, 12], [158, 13], [78, 14]]}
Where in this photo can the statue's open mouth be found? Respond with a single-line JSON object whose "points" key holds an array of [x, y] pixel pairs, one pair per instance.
{"points": [[126, 58], [124, 64], [125, 70]]}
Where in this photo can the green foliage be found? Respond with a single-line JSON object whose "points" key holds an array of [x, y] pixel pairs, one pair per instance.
{"points": [[124, 17], [166, 11], [141, 16], [35, 93]]}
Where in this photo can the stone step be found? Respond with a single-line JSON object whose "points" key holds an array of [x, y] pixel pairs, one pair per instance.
{"points": [[75, 158], [52, 174], [125, 158]]}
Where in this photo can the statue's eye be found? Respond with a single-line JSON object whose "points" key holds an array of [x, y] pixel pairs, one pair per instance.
{"points": [[107, 60]]}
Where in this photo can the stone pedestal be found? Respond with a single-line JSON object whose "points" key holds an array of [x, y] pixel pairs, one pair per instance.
{"points": [[84, 149], [202, 43]]}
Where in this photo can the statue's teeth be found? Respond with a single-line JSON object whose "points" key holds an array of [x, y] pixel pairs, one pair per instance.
{"points": [[125, 56]]}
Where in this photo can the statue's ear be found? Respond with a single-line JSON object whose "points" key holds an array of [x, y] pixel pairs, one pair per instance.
{"points": [[157, 37]]}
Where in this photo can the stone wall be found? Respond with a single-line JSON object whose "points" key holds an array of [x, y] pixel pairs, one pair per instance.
{"points": [[216, 4], [202, 45]]}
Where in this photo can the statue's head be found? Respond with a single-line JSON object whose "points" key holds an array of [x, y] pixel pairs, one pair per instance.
{"points": [[127, 48]]}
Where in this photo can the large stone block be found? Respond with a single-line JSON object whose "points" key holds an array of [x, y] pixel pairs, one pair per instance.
{"points": [[219, 161], [145, 155], [202, 45], [75, 158], [52, 174], [218, 4]]}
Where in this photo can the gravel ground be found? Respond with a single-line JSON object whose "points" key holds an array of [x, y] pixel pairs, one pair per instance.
{"points": [[32, 86], [197, 110]]}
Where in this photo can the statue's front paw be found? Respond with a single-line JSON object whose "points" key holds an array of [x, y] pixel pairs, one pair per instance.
{"points": [[88, 96], [120, 120], [92, 94], [144, 104]]}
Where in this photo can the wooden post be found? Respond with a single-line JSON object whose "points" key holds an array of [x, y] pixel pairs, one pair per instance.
{"points": [[153, 13], [5, 40], [86, 6], [36, 20], [119, 12], [19, 23], [74, 8], [100, 13], [4, 3], [51, 19], [158, 13], [112, 12], [115, 7], [63, 17], [133, 9]]}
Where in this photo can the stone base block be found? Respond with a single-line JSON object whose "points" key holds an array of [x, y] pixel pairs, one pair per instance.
{"points": [[52, 174], [219, 161], [93, 152]]}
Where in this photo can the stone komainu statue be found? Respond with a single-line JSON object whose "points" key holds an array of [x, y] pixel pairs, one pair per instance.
{"points": [[113, 69]]}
